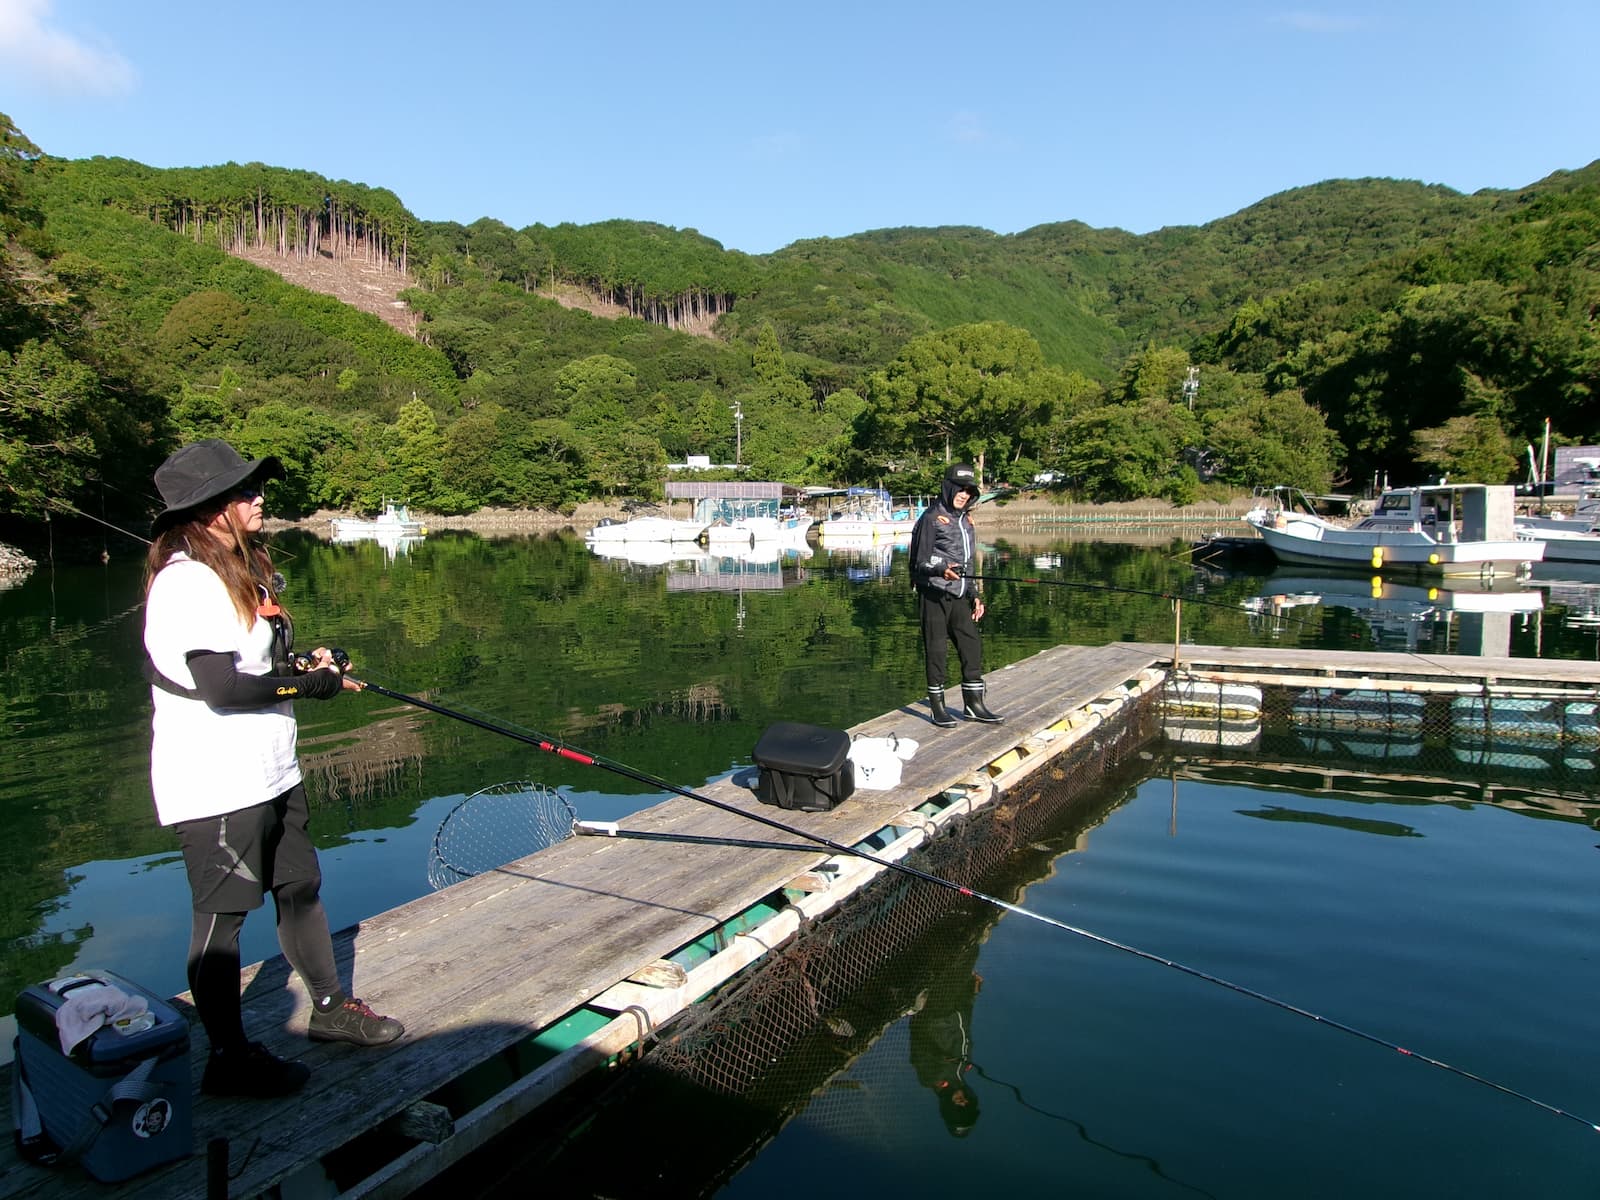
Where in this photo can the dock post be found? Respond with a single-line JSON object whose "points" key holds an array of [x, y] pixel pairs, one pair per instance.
{"points": [[1177, 624], [217, 1169]]}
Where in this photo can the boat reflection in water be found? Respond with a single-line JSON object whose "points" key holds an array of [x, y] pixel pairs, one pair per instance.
{"points": [[395, 545], [1458, 615], [862, 557]]}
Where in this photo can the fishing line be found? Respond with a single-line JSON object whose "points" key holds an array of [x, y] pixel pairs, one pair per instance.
{"points": [[64, 506], [554, 746], [509, 821], [1113, 587]]}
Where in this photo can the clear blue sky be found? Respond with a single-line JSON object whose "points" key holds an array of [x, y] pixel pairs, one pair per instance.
{"points": [[760, 124]]}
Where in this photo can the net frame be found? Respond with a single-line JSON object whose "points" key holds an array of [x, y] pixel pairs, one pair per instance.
{"points": [[497, 825]]}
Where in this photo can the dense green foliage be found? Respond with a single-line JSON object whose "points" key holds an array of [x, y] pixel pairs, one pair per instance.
{"points": [[1338, 330]]}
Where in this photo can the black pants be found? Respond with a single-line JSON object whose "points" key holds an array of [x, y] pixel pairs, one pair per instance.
{"points": [[233, 861], [947, 618]]}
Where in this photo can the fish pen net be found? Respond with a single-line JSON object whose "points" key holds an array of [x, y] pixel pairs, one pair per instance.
{"points": [[1447, 744], [730, 1043]]}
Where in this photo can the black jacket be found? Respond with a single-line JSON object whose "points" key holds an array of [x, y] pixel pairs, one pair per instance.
{"points": [[943, 535]]}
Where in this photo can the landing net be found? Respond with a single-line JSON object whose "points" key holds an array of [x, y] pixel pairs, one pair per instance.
{"points": [[497, 825]]}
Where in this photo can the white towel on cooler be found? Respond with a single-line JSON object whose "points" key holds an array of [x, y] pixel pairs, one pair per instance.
{"points": [[92, 1006]]}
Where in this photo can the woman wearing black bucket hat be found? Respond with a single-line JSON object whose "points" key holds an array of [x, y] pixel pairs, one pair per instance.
{"points": [[223, 769]]}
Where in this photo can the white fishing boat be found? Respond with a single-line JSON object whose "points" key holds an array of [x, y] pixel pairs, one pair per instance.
{"points": [[872, 513], [1440, 529], [646, 529], [1576, 543], [1574, 539], [782, 530], [394, 522]]}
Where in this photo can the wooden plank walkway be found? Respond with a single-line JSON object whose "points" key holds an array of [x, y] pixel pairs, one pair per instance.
{"points": [[1325, 668], [476, 968]]}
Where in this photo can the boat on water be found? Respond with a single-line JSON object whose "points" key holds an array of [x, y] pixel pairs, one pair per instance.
{"points": [[394, 522], [1574, 539], [871, 513], [784, 529], [1574, 544], [646, 529], [1439, 529]]}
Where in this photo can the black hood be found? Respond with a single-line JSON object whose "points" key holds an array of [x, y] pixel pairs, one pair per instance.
{"points": [[960, 477]]}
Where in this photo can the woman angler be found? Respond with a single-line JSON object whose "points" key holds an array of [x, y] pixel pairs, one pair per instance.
{"points": [[223, 766]]}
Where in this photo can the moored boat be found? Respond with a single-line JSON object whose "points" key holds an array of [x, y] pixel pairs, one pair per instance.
{"points": [[871, 513], [1440, 529], [1574, 544], [646, 529], [395, 521]]}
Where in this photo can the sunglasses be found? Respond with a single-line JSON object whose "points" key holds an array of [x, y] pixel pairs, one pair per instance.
{"points": [[248, 491]]}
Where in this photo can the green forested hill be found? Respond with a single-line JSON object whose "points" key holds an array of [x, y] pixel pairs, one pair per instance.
{"points": [[1332, 330]]}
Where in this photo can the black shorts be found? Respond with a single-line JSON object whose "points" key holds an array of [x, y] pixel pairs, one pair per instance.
{"points": [[234, 860]]}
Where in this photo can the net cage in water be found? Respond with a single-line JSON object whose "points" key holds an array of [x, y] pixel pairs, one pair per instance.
{"points": [[730, 1043], [825, 1024], [1449, 745], [1450, 735]]}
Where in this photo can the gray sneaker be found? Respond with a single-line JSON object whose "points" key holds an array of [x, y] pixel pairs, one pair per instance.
{"points": [[353, 1022]]}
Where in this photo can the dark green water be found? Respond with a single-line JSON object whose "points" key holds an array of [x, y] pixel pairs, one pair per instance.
{"points": [[1469, 935]]}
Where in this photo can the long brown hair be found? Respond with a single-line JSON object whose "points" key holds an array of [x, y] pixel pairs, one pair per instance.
{"points": [[244, 567]]}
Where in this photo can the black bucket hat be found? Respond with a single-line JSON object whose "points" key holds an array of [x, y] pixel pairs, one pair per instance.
{"points": [[203, 471]]}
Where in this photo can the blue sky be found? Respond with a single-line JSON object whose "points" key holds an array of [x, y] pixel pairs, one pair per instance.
{"points": [[761, 124]]}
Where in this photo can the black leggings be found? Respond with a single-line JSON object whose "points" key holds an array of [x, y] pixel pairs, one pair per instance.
{"points": [[214, 958]]}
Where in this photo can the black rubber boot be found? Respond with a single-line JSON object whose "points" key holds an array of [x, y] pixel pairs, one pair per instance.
{"points": [[977, 710], [940, 714]]}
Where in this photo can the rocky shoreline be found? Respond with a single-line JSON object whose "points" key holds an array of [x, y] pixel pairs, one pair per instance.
{"points": [[14, 563], [1031, 517], [1012, 514]]}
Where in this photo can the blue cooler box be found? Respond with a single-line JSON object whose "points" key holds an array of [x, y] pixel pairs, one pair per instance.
{"points": [[146, 1120]]}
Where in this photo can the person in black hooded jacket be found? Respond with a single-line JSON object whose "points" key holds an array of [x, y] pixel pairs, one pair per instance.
{"points": [[942, 549]]}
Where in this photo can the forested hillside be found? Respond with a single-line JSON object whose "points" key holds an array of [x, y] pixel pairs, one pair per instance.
{"points": [[1324, 334]]}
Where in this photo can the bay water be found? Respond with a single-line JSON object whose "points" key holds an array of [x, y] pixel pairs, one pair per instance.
{"points": [[1464, 928]]}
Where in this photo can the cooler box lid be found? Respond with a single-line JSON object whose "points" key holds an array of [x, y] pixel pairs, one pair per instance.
{"points": [[38, 1004]]}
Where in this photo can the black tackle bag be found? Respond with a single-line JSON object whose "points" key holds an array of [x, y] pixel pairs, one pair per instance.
{"points": [[804, 767]]}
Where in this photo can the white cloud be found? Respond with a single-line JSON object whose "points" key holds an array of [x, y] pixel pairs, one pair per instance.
{"points": [[1316, 22], [967, 127], [38, 55]]}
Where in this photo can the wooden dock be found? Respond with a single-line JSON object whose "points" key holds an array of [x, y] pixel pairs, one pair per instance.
{"points": [[477, 969]]}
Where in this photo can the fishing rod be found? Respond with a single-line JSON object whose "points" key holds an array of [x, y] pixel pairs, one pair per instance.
{"points": [[610, 829], [555, 746], [1113, 587]]}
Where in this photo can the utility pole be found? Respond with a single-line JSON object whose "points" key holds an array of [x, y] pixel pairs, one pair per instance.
{"points": [[1191, 386], [738, 433]]}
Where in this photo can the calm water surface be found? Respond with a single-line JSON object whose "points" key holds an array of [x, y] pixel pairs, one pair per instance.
{"points": [[1468, 934]]}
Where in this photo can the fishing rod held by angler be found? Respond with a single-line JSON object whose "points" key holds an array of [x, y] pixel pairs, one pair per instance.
{"points": [[554, 746]]}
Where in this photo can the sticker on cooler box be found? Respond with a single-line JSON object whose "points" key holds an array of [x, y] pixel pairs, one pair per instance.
{"points": [[151, 1119]]}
